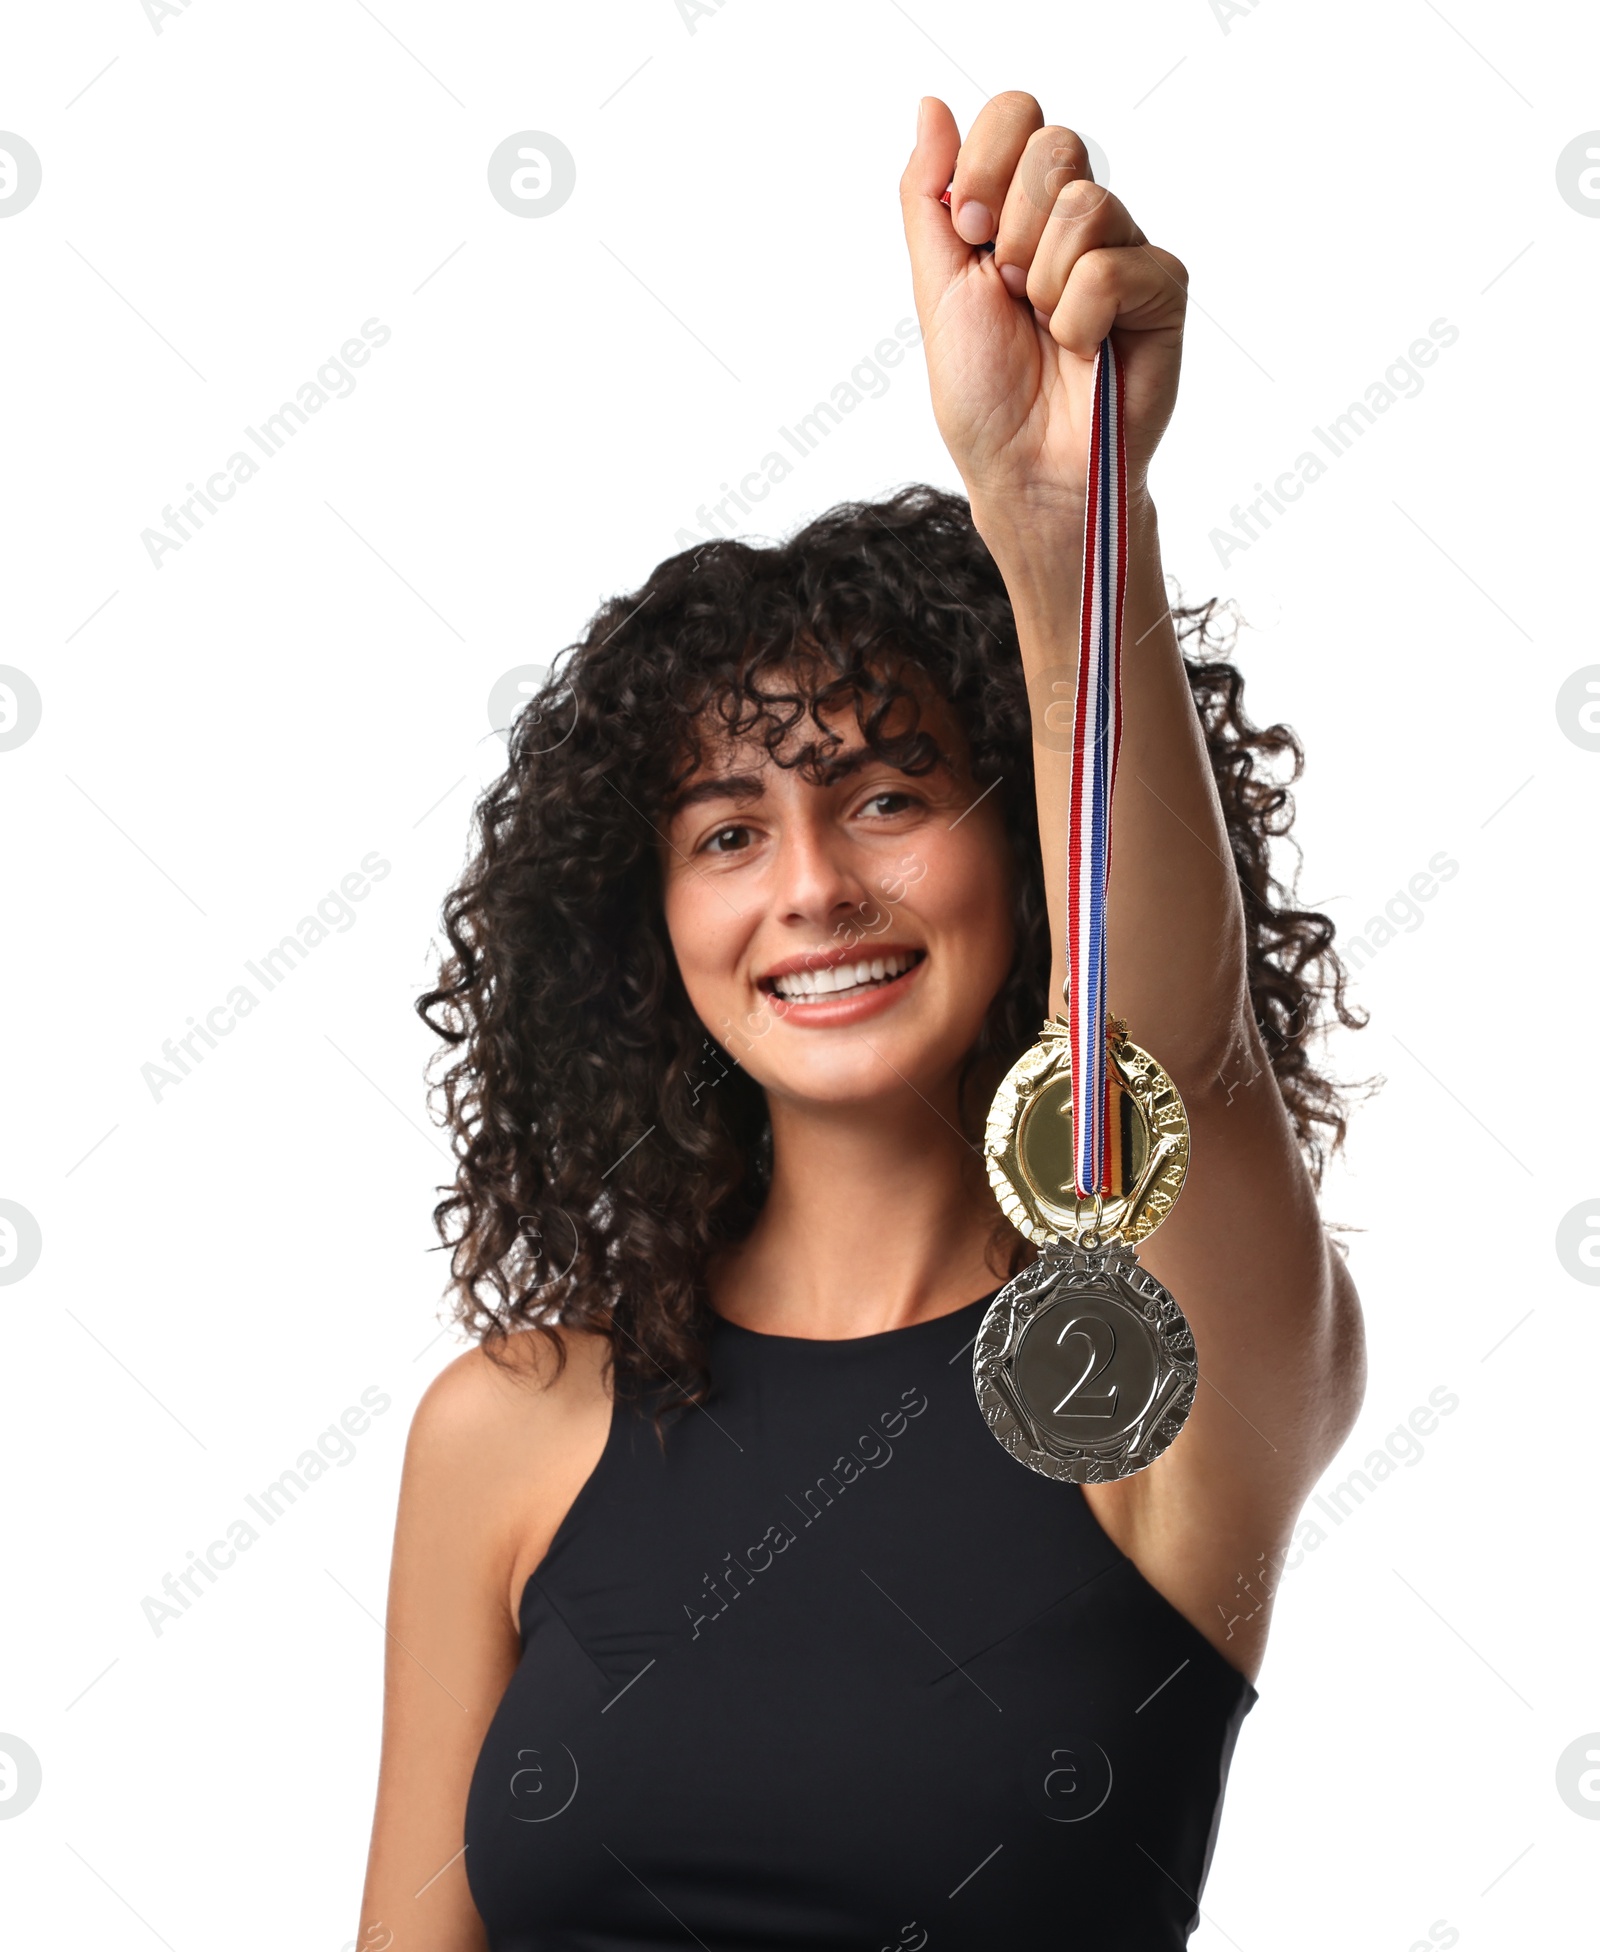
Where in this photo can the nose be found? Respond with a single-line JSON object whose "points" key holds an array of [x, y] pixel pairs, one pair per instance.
{"points": [[820, 880]]}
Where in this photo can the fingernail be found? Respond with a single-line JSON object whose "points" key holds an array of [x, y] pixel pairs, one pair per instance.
{"points": [[1015, 279], [974, 224], [1042, 317], [922, 109]]}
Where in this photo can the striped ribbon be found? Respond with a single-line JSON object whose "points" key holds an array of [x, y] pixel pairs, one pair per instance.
{"points": [[1096, 739]]}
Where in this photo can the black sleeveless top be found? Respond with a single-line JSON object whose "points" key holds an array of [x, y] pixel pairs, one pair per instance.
{"points": [[835, 1671]]}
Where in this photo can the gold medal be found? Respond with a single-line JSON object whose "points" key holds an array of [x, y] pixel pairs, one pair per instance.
{"points": [[1028, 1143]]}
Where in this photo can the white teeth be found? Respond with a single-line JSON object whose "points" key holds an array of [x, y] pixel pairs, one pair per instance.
{"points": [[806, 983]]}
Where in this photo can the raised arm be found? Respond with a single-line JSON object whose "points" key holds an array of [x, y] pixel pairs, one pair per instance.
{"points": [[1010, 340]]}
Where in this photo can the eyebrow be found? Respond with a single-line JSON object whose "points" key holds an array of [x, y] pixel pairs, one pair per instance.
{"points": [[750, 786], [723, 786]]}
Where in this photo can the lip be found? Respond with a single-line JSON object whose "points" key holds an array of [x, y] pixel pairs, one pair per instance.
{"points": [[834, 1012]]}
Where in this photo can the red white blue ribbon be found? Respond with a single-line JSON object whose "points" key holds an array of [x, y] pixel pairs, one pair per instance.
{"points": [[1096, 739]]}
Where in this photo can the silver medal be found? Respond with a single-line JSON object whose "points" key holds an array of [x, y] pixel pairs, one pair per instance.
{"points": [[1084, 1366]]}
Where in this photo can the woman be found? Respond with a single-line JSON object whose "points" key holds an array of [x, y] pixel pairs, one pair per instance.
{"points": [[717, 1615]]}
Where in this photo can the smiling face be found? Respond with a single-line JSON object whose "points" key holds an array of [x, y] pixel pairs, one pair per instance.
{"points": [[841, 936]]}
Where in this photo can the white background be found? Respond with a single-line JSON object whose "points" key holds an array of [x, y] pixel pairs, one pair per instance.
{"points": [[305, 681]]}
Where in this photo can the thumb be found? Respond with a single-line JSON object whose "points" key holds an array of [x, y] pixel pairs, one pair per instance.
{"points": [[937, 253]]}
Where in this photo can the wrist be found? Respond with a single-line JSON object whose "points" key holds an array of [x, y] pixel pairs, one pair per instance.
{"points": [[1023, 524], [1037, 545]]}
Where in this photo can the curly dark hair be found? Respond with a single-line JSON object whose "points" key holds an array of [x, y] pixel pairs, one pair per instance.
{"points": [[606, 1147]]}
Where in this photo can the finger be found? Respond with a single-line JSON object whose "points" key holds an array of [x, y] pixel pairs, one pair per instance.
{"points": [[1136, 287], [1053, 158], [988, 161], [937, 253], [1083, 218]]}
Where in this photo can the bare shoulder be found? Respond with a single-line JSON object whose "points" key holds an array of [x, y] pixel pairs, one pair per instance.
{"points": [[503, 1397], [499, 1445], [505, 1436]]}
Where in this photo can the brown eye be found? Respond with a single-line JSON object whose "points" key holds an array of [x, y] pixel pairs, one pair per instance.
{"points": [[727, 840], [888, 802]]}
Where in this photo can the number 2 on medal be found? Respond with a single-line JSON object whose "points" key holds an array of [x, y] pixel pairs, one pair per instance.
{"points": [[1102, 1340]]}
